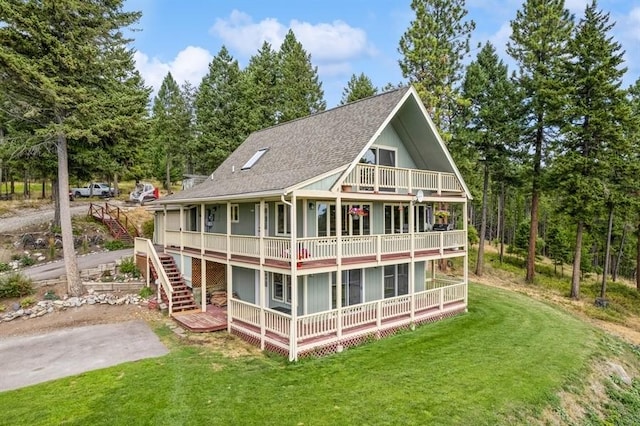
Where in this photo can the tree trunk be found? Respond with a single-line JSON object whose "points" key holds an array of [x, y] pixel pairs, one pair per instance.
{"points": [[74, 285], [535, 199], [503, 198], [575, 277], [167, 182], [483, 221], [116, 185], [638, 257], [616, 267], [607, 251], [55, 194]]}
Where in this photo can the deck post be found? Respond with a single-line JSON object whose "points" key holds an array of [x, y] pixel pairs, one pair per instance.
{"points": [[293, 257], [181, 238], [339, 265], [261, 280], [229, 269], [466, 253], [203, 263], [412, 264], [164, 227]]}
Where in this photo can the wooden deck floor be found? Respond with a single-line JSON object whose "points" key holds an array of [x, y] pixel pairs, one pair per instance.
{"points": [[214, 319]]}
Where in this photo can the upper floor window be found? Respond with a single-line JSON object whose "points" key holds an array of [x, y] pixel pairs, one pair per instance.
{"points": [[283, 213], [235, 213], [380, 156], [254, 159]]}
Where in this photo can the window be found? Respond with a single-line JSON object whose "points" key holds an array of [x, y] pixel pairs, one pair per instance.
{"points": [[280, 287], [283, 212], [396, 219], [381, 157], [235, 213], [352, 287], [254, 159], [326, 216], [356, 219], [396, 280]]}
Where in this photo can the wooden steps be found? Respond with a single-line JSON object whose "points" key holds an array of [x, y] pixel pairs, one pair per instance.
{"points": [[182, 298]]}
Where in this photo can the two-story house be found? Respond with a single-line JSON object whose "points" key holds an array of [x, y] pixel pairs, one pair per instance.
{"points": [[326, 230]]}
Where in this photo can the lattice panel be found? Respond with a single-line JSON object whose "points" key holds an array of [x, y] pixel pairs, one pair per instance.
{"points": [[252, 340], [196, 273], [216, 275]]}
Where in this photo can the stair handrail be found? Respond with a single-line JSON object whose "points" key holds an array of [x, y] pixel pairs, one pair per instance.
{"points": [[152, 255], [109, 208], [96, 211]]}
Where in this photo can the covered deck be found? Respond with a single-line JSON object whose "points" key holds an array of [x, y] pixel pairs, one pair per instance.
{"points": [[330, 331]]}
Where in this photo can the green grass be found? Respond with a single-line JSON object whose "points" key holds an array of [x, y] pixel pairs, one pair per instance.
{"points": [[504, 361]]}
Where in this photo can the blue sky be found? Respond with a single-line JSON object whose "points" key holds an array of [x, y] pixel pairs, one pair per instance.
{"points": [[343, 37]]}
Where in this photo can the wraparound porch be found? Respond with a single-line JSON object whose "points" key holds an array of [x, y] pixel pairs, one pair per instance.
{"points": [[330, 331]]}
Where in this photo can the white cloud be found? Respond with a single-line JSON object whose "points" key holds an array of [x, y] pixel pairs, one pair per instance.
{"points": [[328, 43], [190, 64]]}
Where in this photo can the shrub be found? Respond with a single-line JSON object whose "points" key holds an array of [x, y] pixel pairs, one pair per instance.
{"points": [[50, 295], [148, 228], [128, 266], [146, 292], [114, 245], [27, 261], [15, 285], [27, 301], [4, 267]]}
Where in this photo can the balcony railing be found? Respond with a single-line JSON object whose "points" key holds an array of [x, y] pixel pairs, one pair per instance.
{"points": [[319, 248], [368, 178], [365, 314]]}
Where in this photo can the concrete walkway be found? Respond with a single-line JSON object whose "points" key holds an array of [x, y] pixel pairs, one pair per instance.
{"points": [[28, 360]]}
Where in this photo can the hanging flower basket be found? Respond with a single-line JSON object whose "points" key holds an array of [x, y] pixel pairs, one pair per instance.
{"points": [[442, 214], [357, 212]]}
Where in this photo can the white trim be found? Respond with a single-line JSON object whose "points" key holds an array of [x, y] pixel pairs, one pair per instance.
{"points": [[234, 213], [287, 226]]}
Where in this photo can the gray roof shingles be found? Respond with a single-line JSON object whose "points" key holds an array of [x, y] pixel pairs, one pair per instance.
{"points": [[299, 150]]}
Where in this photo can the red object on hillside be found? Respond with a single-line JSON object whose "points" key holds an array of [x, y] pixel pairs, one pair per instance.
{"points": [[156, 193]]}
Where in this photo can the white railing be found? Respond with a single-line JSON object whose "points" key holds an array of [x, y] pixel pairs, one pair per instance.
{"points": [[428, 299], [145, 246], [192, 239], [245, 245], [396, 306], [322, 248], [356, 315], [367, 177], [215, 242], [277, 322], [243, 311], [172, 238], [318, 324]]}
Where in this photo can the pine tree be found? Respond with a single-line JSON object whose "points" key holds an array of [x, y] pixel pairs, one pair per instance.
{"points": [[358, 87], [219, 119], [489, 126], [432, 52], [298, 84], [259, 88], [595, 111], [54, 58], [538, 45], [170, 127], [633, 133]]}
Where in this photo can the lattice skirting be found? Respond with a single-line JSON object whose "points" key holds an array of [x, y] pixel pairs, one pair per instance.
{"points": [[347, 342]]}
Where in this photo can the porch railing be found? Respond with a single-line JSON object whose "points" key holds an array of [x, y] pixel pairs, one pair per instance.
{"points": [[367, 178], [366, 314]]}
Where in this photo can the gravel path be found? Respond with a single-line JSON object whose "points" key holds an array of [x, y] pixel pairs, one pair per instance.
{"points": [[12, 224]]}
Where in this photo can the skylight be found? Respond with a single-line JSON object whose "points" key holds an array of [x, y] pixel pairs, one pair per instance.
{"points": [[253, 160]]}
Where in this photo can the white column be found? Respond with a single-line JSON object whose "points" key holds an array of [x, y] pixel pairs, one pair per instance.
{"points": [[261, 281], [164, 227], [293, 253], [339, 263], [181, 238], [229, 268], [203, 263], [412, 265], [466, 253]]}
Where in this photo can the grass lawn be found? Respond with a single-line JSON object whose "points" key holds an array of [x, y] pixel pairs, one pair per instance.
{"points": [[503, 361]]}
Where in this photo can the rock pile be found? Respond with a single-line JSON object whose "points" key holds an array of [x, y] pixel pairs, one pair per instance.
{"points": [[47, 306]]}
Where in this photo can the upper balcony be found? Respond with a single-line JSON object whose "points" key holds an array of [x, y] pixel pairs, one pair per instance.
{"points": [[320, 251], [374, 178]]}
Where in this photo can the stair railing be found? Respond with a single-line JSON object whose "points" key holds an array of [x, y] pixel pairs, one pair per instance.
{"points": [[116, 213], [144, 245]]}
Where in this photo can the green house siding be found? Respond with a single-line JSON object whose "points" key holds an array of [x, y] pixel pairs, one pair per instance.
{"points": [[244, 284], [420, 271], [324, 184], [318, 293], [372, 284], [390, 139]]}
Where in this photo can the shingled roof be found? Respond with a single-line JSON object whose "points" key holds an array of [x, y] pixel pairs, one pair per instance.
{"points": [[298, 150]]}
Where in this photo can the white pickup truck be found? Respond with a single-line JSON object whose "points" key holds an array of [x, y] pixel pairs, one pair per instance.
{"points": [[96, 189]]}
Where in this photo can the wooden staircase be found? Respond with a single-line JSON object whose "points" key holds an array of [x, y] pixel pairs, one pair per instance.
{"points": [[115, 220], [182, 296]]}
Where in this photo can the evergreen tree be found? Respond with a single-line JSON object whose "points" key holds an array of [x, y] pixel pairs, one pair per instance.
{"points": [[432, 52], [489, 123], [633, 133], [55, 62], [259, 88], [298, 85], [358, 87], [594, 114], [219, 115], [170, 127], [538, 42]]}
